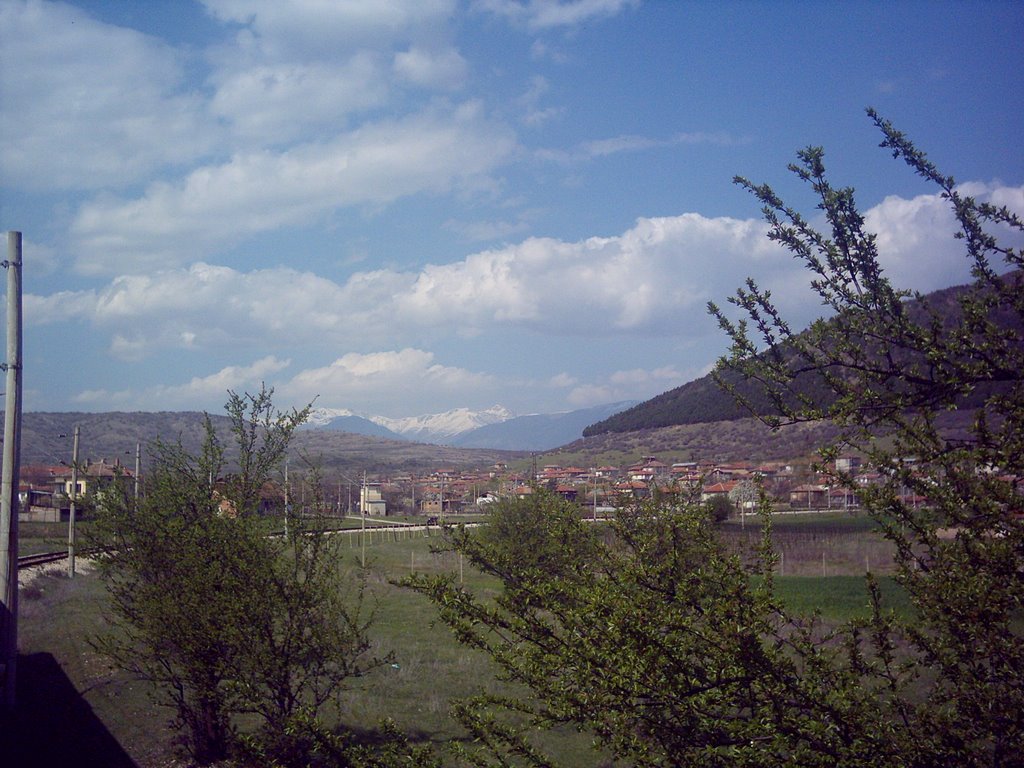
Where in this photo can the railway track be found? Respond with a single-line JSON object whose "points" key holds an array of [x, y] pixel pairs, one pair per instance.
{"points": [[41, 558]]}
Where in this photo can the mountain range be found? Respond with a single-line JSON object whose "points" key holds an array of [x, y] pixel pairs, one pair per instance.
{"points": [[493, 428]]}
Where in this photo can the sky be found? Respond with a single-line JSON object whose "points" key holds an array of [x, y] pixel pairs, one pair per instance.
{"points": [[402, 207]]}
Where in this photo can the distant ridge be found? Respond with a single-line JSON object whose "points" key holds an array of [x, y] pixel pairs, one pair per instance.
{"points": [[358, 425], [537, 432], [113, 436]]}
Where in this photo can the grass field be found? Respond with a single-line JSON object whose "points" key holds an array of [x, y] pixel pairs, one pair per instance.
{"points": [[425, 667], [34, 538]]}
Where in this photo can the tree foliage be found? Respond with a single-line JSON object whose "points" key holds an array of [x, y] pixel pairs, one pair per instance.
{"points": [[220, 617], [671, 651], [665, 646], [719, 507], [959, 687]]}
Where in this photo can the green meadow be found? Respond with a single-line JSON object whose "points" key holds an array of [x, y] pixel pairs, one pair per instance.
{"points": [[422, 668]]}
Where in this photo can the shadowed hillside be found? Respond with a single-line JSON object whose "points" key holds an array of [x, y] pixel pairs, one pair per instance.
{"points": [[703, 401]]}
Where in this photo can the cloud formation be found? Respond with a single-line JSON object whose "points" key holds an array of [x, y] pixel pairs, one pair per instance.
{"points": [[550, 14], [651, 280], [241, 378], [66, 75], [243, 188], [380, 382], [216, 206]]}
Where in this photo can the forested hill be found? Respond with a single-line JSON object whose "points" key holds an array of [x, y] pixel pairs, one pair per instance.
{"points": [[703, 401], [695, 402]]}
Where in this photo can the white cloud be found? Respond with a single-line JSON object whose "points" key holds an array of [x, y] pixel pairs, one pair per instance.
{"points": [[562, 380], [320, 28], [275, 102], [481, 231], [131, 348], [546, 14], [618, 144], [66, 121], [633, 384], [654, 278], [210, 307], [915, 237], [233, 377], [444, 69], [380, 382], [201, 389], [533, 113], [598, 148], [651, 281], [111, 400], [305, 68], [262, 191], [59, 307]]}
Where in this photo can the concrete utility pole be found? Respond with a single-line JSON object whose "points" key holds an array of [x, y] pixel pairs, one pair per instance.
{"points": [[9, 483], [138, 470], [287, 501], [74, 498], [363, 516]]}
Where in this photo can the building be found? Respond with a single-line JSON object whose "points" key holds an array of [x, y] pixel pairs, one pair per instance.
{"points": [[371, 502], [809, 496], [848, 464]]}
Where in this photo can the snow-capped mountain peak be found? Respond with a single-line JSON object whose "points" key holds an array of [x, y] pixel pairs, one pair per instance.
{"points": [[495, 427], [321, 417], [441, 426]]}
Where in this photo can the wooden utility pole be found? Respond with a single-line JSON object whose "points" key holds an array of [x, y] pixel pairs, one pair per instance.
{"points": [[9, 483]]}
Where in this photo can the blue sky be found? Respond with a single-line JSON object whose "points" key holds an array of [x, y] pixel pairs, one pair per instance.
{"points": [[406, 206]]}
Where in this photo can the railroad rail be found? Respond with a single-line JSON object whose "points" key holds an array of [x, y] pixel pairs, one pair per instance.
{"points": [[41, 558]]}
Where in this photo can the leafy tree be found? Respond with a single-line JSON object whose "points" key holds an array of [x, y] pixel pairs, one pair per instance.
{"points": [[220, 617], [672, 651], [957, 686], [719, 507], [532, 535], [661, 643]]}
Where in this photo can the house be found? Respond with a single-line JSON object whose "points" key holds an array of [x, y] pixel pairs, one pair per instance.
{"points": [[92, 477], [809, 496], [848, 464], [686, 475], [567, 492], [642, 474], [840, 497], [717, 489], [635, 488]]}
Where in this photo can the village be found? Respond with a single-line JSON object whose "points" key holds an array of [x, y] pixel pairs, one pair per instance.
{"points": [[46, 491]]}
